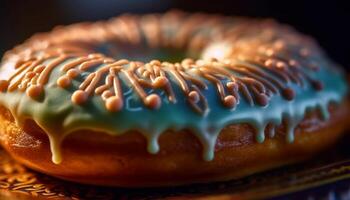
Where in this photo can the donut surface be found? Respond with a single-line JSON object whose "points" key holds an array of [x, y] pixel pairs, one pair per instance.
{"points": [[133, 101]]}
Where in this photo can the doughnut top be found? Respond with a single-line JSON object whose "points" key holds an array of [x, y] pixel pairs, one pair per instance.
{"points": [[117, 76]]}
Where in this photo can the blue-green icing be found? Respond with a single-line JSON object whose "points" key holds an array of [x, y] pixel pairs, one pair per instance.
{"points": [[58, 116]]}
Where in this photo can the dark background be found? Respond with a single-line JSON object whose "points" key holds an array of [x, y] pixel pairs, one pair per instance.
{"points": [[327, 21]]}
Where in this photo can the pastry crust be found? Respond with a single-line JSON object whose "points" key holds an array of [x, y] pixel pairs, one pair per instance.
{"points": [[97, 158]]}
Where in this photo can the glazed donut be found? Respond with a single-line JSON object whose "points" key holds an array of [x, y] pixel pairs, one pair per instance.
{"points": [[168, 99]]}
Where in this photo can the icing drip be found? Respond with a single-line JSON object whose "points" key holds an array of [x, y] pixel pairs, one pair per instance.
{"points": [[255, 72]]}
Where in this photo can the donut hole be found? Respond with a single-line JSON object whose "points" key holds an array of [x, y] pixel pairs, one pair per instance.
{"points": [[144, 52]]}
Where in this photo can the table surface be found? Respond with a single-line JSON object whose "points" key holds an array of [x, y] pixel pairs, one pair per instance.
{"points": [[324, 177]]}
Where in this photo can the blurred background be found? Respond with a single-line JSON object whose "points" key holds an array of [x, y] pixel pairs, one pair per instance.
{"points": [[328, 21]]}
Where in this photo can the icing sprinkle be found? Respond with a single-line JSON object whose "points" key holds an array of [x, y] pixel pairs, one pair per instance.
{"points": [[243, 61]]}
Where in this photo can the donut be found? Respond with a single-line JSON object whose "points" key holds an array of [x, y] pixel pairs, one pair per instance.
{"points": [[169, 99]]}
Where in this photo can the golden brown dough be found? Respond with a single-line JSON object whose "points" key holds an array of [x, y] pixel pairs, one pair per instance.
{"points": [[123, 160]]}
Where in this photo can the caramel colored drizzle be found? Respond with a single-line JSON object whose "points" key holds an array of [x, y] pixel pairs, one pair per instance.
{"points": [[255, 85], [261, 66]]}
